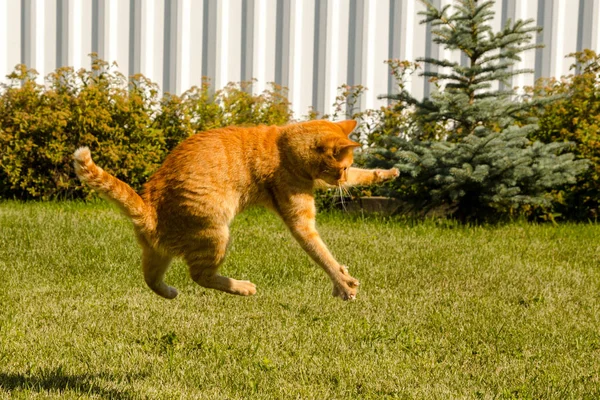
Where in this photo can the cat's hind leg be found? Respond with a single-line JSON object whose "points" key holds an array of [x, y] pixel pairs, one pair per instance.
{"points": [[205, 253], [154, 266]]}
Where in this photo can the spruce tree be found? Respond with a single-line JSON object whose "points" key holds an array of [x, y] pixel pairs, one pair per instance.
{"points": [[483, 164]]}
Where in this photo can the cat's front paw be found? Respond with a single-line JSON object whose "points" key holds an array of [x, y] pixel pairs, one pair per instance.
{"points": [[383, 175], [346, 287]]}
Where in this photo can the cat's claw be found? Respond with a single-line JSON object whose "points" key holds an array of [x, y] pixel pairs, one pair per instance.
{"points": [[171, 294], [383, 175], [344, 295], [245, 288], [346, 289]]}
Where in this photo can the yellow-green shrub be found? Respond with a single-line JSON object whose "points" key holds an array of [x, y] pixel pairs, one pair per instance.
{"points": [[126, 124], [99, 108], [575, 117]]}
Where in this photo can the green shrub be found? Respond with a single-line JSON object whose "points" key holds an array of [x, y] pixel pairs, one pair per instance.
{"points": [[42, 126], [126, 124], [23, 110], [575, 117], [197, 110]]}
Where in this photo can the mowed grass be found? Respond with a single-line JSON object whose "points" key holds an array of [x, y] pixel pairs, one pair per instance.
{"points": [[443, 311]]}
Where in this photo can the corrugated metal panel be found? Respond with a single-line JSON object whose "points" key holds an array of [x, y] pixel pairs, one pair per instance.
{"points": [[310, 46]]}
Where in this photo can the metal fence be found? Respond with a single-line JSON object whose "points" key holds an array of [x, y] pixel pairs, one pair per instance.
{"points": [[309, 46]]}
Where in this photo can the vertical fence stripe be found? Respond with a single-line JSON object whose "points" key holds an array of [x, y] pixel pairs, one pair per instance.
{"points": [[13, 36], [39, 51], [543, 61], [135, 36], [320, 53], [520, 13], [260, 39], [431, 50], [112, 33], [355, 41], [296, 87], [508, 14], [209, 39], [596, 13], [370, 43], [585, 21], [559, 39], [195, 43], [270, 32], [108, 30], [75, 43], [394, 39], [411, 18], [395, 23], [185, 23], [98, 30], [62, 32], [356, 35], [3, 39], [26, 30], [282, 43], [170, 46], [167, 47], [443, 53], [247, 40], [147, 38], [333, 56], [48, 43], [222, 74], [464, 60]]}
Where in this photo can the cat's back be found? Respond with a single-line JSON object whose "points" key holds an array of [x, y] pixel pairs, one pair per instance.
{"points": [[217, 163], [225, 150]]}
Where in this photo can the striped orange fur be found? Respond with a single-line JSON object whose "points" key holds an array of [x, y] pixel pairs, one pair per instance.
{"points": [[186, 207]]}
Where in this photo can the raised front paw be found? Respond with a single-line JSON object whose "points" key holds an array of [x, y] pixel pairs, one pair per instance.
{"points": [[383, 175], [345, 287]]}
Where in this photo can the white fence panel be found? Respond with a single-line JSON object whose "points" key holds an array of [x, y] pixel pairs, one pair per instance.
{"points": [[309, 46]]}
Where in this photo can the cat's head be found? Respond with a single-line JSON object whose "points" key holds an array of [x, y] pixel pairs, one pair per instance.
{"points": [[334, 152]]}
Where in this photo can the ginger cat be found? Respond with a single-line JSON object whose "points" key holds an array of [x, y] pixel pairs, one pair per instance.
{"points": [[187, 205]]}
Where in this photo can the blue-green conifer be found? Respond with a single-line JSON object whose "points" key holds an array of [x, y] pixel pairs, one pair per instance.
{"points": [[483, 163]]}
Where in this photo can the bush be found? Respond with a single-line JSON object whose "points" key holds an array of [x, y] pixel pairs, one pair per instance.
{"points": [[128, 127], [42, 126], [575, 117]]}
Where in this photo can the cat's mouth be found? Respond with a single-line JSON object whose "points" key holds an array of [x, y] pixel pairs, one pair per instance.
{"points": [[333, 178], [334, 181]]}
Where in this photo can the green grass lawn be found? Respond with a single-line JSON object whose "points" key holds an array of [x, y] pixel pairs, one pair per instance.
{"points": [[443, 312]]}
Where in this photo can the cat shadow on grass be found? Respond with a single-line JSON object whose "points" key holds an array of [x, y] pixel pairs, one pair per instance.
{"points": [[58, 381]]}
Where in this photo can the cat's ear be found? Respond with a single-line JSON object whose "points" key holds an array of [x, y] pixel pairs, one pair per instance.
{"points": [[347, 126], [345, 144], [343, 147], [335, 146]]}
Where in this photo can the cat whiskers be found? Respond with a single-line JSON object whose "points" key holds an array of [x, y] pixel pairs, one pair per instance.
{"points": [[341, 196], [343, 193], [346, 191]]}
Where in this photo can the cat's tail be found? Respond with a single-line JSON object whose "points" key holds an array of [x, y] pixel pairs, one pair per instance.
{"points": [[112, 188]]}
